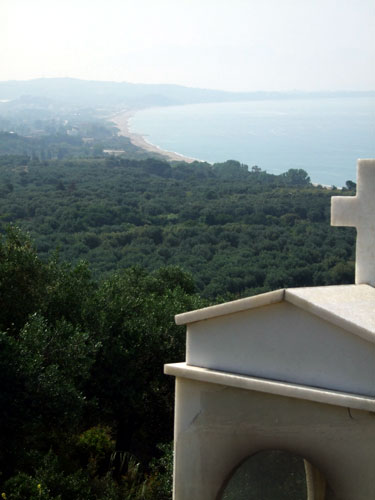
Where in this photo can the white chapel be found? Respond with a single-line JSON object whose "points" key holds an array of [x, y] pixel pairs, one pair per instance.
{"points": [[290, 371]]}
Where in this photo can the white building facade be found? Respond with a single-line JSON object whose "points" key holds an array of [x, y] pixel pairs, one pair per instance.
{"points": [[290, 370]]}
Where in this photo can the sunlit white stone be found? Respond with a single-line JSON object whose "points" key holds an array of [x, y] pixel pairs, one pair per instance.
{"points": [[359, 212]]}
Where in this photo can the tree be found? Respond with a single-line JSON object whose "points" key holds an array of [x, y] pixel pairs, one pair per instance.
{"points": [[22, 280], [351, 186], [81, 355], [137, 331], [296, 177]]}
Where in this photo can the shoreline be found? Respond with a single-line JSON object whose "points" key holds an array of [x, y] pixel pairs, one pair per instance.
{"points": [[121, 120]]}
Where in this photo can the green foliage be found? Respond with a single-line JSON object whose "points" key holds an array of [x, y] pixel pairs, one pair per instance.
{"points": [[137, 330], [350, 185], [82, 382], [21, 275], [162, 469], [55, 361], [228, 226], [97, 441], [49, 482], [84, 402], [296, 177]]}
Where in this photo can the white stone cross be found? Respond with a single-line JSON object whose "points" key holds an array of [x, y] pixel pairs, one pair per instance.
{"points": [[359, 211]]}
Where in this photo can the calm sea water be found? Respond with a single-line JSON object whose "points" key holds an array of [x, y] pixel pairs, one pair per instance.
{"points": [[323, 136]]}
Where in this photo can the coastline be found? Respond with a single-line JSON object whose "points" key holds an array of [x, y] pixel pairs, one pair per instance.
{"points": [[216, 132], [121, 120]]}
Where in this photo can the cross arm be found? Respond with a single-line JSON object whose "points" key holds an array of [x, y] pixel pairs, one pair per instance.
{"points": [[344, 211]]}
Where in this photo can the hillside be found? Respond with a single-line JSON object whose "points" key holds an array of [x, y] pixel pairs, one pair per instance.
{"points": [[238, 232], [85, 93], [86, 409]]}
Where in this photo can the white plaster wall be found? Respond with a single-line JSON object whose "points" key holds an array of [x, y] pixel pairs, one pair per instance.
{"points": [[217, 427], [284, 342]]}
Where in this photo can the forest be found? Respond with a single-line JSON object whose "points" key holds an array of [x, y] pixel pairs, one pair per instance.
{"points": [[86, 412], [238, 232], [97, 254]]}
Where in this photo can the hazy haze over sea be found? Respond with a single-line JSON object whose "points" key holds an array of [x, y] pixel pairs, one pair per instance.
{"points": [[323, 136]]}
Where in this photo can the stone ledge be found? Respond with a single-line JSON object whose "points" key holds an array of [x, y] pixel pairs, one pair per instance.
{"points": [[308, 393], [351, 307], [264, 299]]}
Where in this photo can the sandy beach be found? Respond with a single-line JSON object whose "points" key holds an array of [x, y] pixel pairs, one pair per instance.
{"points": [[121, 120]]}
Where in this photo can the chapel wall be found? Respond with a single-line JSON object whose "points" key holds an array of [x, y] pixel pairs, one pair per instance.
{"points": [[218, 427], [285, 343]]}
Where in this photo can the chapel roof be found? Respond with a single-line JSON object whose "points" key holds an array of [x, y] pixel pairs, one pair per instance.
{"points": [[351, 307]]}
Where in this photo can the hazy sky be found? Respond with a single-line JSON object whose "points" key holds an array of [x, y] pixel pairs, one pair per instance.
{"points": [[224, 44]]}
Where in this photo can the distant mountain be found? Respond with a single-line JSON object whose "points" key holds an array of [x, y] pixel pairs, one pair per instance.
{"points": [[86, 93]]}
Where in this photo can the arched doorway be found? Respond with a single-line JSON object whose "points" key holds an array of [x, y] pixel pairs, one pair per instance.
{"points": [[276, 475]]}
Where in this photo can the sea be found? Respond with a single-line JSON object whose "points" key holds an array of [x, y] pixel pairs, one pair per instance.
{"points": [[324, 136]]}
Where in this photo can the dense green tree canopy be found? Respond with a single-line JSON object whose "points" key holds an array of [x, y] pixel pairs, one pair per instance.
{"points": [[237, 232], [86, 317], [81, 362]]}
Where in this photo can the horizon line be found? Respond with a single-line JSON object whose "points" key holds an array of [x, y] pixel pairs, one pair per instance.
{"points": [[301, 91]]}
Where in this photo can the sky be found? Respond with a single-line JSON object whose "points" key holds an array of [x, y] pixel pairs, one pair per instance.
{"points": [[238, 45]]}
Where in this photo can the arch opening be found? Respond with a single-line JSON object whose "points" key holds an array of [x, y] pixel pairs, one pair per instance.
{"points": [[276, 475]]}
